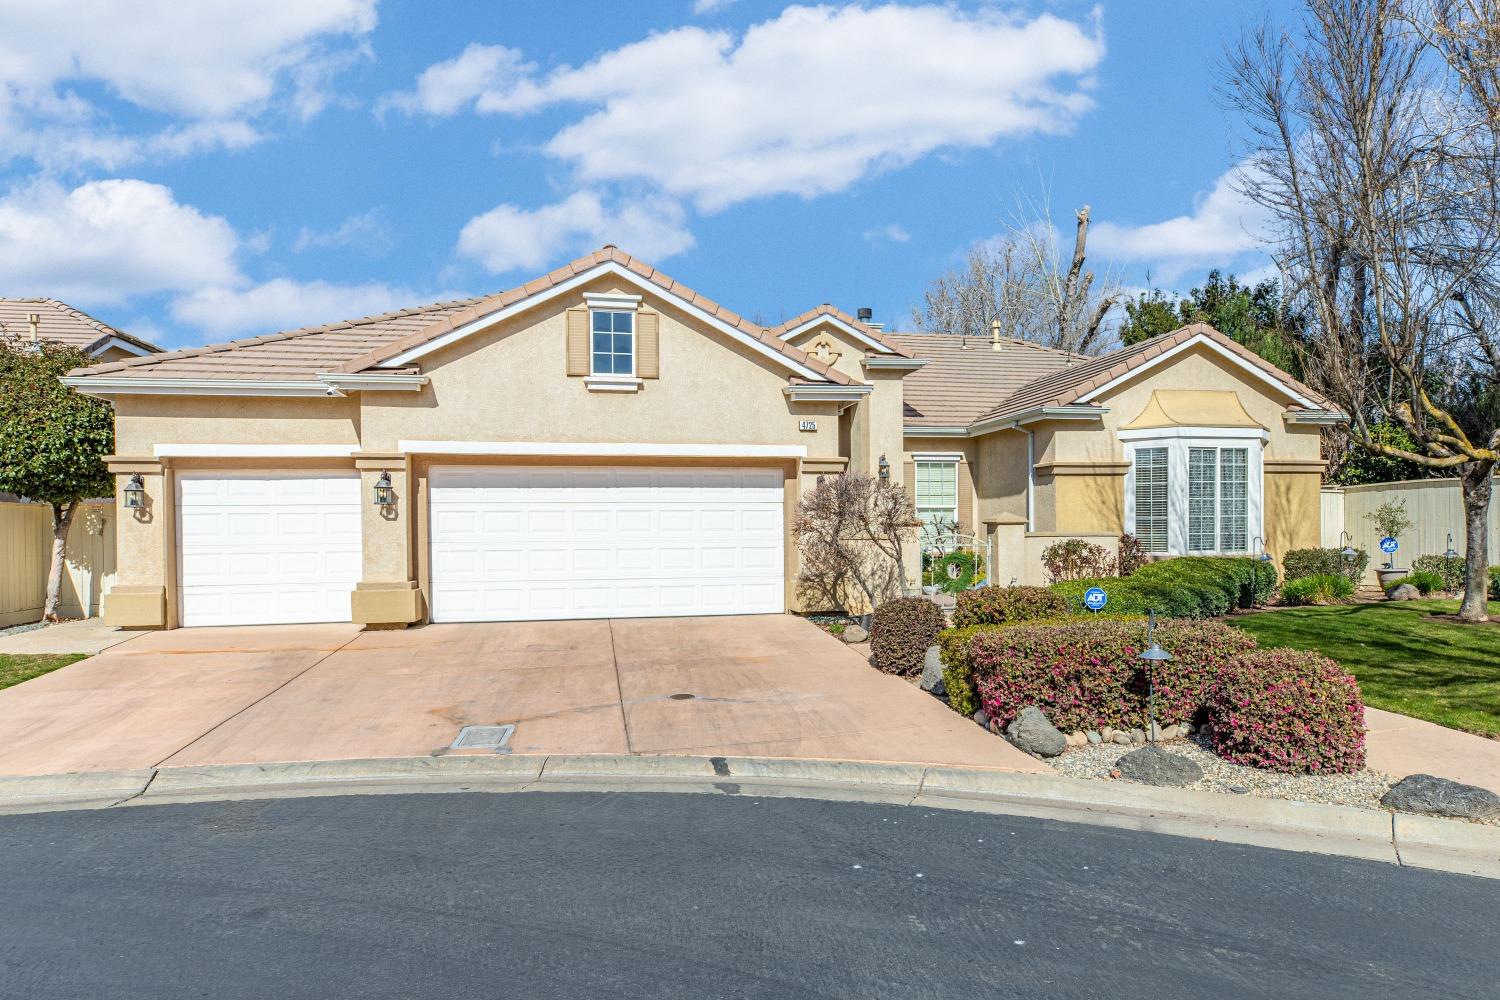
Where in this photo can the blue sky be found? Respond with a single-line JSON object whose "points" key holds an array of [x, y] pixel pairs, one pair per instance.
{"points": [[195, 172]]}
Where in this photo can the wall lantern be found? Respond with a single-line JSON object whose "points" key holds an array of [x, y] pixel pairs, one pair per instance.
{"points": [[1450, 554], [385, 494], [135, 493], [885, 468], [1348, 552]]}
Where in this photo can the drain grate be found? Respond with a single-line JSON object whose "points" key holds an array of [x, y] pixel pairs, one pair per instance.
{"points": [[484, 738]]}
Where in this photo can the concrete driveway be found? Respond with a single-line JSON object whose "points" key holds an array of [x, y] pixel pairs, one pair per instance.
{"points": [[773, 686]]}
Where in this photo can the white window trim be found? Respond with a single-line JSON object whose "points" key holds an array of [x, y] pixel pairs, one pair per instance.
{"points": [[613, 381], [612, 302], [937, 458], [1178, 441]]}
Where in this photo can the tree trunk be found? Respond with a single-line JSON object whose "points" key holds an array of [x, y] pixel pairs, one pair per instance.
{"points": [[62, 519], [1478, 485]]}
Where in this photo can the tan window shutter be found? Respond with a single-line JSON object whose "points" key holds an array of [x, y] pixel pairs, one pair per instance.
{"points": [[578, 341], [648, 345], [965, 498], [909, 479]]}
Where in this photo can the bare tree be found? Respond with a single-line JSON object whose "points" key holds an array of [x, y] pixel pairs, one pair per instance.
{"points": [[1379, 176], [851, 531], [1024, 282]]}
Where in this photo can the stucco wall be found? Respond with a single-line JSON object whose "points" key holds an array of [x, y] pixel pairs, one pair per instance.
{"points": [[142, 422]]}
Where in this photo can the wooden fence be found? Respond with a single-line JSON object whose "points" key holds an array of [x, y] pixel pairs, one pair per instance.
{"points": [[26, 550], [1435, 507]]}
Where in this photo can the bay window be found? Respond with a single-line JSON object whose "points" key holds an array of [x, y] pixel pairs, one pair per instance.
{"points": [[1193, 491]]}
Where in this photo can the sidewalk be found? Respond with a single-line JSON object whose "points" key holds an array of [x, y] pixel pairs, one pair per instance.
{"points": [[87, 635], [1400, 745]]}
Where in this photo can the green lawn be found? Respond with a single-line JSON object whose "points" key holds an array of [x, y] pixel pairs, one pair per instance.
{"points": [[17, 668], [1405, 661]]}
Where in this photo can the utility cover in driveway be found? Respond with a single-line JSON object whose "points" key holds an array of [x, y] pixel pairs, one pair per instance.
{"points": [[524, 543], [484, 738]]}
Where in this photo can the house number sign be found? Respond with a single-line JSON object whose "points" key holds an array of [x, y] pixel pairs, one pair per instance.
{"points": [[807, 425]]}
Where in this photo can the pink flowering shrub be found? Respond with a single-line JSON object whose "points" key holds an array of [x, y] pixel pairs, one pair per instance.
{"points": [[997, 605], [1290, 711], [1085, 675]]}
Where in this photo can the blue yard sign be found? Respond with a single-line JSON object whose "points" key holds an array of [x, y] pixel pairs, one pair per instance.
{"points": [[1095, 598], [1389, 545]]}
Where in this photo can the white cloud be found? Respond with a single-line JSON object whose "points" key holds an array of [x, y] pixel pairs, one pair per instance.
{"points": [[893, 233], [806, 103], [1223, 225], [366, 231], [211, 65], [445, 88], [509, 238], [108, 241], [702, 7], [285, 304]]}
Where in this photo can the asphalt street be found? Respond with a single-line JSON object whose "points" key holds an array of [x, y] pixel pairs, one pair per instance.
{"points": [[547, 894]]}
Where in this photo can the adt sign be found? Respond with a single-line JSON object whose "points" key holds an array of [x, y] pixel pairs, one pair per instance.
{"points": [[1388, 545], [1095, 598]]}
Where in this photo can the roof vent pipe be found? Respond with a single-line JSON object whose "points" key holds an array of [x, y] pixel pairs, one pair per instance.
{"points": [[36, 327], [995, 335], [864, 314]]}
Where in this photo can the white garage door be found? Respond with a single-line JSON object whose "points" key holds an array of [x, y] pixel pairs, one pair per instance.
{"points": [[267, 549], [525, 543]]}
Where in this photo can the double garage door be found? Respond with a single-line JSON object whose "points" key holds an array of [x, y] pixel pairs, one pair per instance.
{"points": [[507, 544]]}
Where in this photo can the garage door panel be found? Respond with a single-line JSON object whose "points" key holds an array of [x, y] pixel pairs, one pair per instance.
{"points": [[273, 548], [556, 542]]}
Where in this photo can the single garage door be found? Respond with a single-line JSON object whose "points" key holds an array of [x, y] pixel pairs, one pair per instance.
{"points": [[528, 543], [267, 548]]}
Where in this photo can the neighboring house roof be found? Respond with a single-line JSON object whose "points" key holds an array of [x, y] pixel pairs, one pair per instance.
{"points": [[393, 341], [965, 377], [60, 323], [826, 312], [1075, 383]]}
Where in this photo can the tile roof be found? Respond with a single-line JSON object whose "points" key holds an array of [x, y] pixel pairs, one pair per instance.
{"points": [[1067, 385], [963, 379], [357, 345], [826, 309], [60, 323]]}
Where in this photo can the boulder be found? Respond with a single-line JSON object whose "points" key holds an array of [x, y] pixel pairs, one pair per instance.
{"points": [[932, 671], [856, 633], [1152, 766], [1403, 592], [1033, 733], [1423, 793]]}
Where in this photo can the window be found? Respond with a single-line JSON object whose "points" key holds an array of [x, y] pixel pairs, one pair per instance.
{"points": [[937, 495], [613, 342], [1151, 498], [1193, 493]]}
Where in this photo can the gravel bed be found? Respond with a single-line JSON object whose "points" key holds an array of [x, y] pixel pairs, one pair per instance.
{"points": [[1362, 790], [18, 629]]}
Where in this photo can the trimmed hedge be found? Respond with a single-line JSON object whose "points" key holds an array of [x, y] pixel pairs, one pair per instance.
{"points": [[900, 632], [1321, 589], [993, 605], [1495, 583], [1288, 710], [1450, 571], [1185, 587], [1085, 674], [1325, 562]]}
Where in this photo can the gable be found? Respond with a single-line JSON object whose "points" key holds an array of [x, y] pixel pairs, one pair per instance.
{"points": [[833, 344]]}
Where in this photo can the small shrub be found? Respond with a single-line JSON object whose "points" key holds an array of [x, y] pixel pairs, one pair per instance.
{"points": [[1288, 710], [1390, 519], [1133, 555], [1085, 674], [1451, 571], [1425, 582], [1075, 559], [1325, 562], [1495, 583], [1321, 589], [901, 631], [993, 605]]}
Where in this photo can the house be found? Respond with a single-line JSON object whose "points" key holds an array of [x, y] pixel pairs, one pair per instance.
{"points": [[604, 441], [35, 320]]}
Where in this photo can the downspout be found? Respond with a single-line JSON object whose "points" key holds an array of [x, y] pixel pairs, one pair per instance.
{"points": [[1030, 481]]}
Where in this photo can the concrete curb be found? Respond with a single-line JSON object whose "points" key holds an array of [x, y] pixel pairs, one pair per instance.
{"points": [[1413, 841]]}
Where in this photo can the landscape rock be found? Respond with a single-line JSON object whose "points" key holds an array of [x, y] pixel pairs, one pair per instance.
{"points": [[1403, 592], [932, 671], [1033, 733], [856, 633], [1157, 733], [1123, 739], [1424, 793], [1094, 736], [1137, 736], [982, 717], [1107, 734], [1151, 766], [1078, 738]]}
